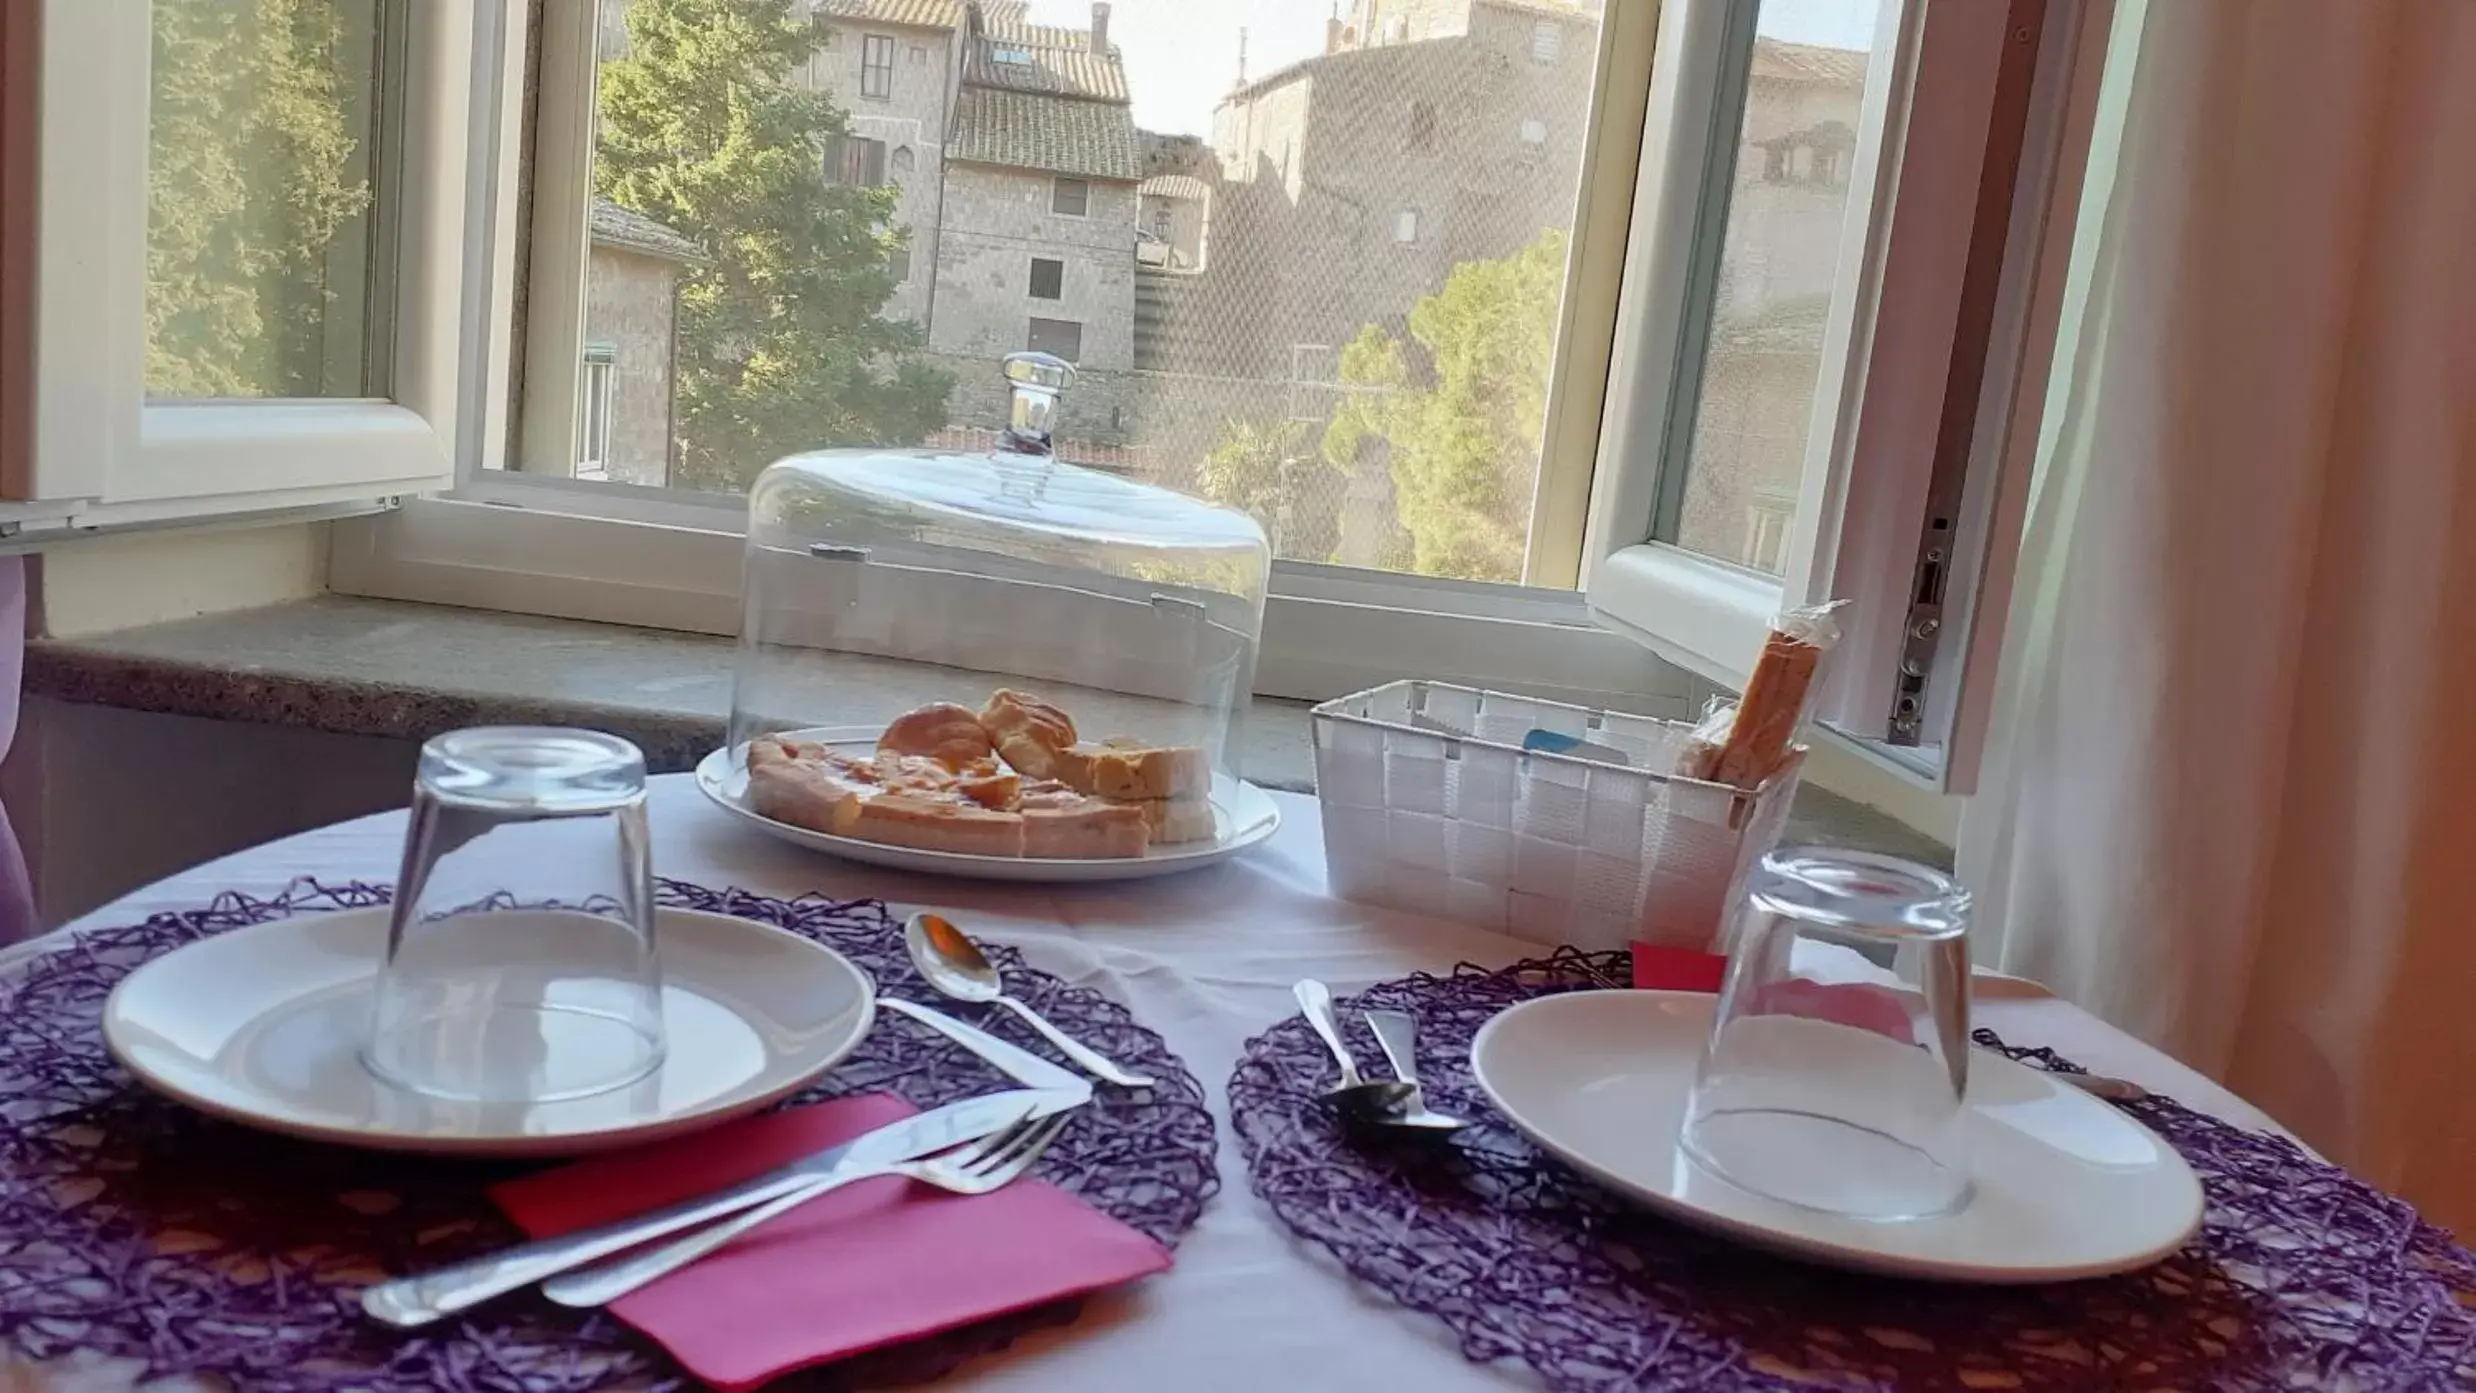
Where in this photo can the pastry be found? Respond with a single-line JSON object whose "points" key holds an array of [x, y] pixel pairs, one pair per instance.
{"points": [[944, 732], [1131, 770], [1173, 820], [981, 781], [1059, 822], [807, 785], [1027, 731], [936, 822]]}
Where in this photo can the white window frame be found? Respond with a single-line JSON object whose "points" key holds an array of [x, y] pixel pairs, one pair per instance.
{"points": [[1891, 348], [87, 451]]}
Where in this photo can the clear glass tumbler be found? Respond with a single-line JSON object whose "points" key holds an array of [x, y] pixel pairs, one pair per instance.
{"points": [[521, 964], [1822, 1085]]}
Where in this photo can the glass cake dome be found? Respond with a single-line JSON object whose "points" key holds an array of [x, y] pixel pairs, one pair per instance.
{"points": [[878, 582]]}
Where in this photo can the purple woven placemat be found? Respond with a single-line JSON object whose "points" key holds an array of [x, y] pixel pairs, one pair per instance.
{"points": [[2302, 1277], [134, 1228]]}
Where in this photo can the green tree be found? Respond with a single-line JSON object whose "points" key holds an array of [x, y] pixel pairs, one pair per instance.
{"points": [[1268, 471], [254, 184], [1457, 412], [780, 347]]}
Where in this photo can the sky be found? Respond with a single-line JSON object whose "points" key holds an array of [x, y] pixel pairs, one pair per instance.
{"points": [[1182, 55]]}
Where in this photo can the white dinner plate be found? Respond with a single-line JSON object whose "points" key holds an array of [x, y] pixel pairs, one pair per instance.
{"points": [[2067, 1186], [264, 1026], [1242, 814]]}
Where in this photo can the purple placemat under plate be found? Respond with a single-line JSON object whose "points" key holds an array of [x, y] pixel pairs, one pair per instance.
{"points": [[133, 1228], [2302, 1277]]}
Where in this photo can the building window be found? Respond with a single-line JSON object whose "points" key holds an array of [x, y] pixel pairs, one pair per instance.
{"points": [[903, 159], [1422, 126], [1406, 226], [1547, 41], [898, 263], [1072, 197], [1048, 279], [1534, 133], [876, 66], [856, 160], [593, 407], [1063, 337], [919, 55], [1161, 223]]}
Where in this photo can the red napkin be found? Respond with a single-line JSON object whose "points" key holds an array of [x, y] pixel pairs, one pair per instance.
{"points": [[1677, 969], [874, 1264]]}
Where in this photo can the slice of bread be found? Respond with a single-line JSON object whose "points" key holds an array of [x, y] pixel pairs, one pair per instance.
{"points": [[1089, 830], [1133, 771], [1175, 820]]}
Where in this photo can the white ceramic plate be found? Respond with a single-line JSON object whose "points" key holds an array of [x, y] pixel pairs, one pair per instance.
{"points": [[2067, 1186], [264, 1026], [1243, 814]]}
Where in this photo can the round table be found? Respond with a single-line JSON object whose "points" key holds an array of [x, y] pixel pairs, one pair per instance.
{"points": [[1205, 958]]}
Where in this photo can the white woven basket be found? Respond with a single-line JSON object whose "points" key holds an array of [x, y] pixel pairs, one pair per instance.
{"points": [[1432, 805]]}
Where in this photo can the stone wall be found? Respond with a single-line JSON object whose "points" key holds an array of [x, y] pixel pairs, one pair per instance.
{"points": [[911, 120], [629, 305], [996, 222]]}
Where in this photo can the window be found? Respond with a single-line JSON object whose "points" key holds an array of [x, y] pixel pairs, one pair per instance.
{"points": [[1048, 279], [227, 302], [876, 67], [903, 159], [856, 160], [1706, 385], [1162, 222], [898, 263], [1422, 136], [593, 403], [1062, 337]]}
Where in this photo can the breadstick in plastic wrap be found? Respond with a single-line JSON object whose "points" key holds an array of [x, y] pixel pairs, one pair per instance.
{"points": [[1776, 695]]}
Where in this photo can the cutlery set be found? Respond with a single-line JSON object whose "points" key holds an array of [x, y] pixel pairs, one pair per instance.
{"points": [[971, 1147]]}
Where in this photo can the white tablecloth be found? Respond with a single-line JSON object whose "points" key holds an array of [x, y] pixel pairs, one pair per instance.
{"points": [[1207, 959]]}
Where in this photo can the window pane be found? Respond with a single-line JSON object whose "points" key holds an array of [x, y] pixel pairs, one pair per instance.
{"points": [[1784, 240], [1319, 279], [262, 270]]}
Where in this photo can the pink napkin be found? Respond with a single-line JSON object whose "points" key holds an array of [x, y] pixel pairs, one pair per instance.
{"points": [[1677, 969], [878, 1263]]}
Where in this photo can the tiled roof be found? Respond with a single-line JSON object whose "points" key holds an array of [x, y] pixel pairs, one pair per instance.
{"points": [[1029, 130], [1046, 60], [614, 226], [1808, 63], [1176, 186], [915, 14], [1562, 9]]}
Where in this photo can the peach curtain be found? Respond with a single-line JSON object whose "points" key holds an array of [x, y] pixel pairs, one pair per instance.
{"points": [[2234, 805]]}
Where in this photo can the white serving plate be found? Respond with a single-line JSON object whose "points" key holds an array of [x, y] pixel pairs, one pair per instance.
{"points": [[1243, 815], [264, 1026], [2067, 1186]]}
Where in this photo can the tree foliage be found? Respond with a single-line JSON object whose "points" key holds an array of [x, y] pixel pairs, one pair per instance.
{"points": [[252, 179], [1457, 411], [1268, 471], [779, 345]]}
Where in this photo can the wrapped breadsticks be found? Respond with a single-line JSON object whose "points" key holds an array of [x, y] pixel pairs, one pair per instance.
{"points": [[1759, 729]]}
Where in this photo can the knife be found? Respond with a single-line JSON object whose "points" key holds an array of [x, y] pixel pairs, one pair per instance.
{"points": [[1021, 1065], [413, 1301]]}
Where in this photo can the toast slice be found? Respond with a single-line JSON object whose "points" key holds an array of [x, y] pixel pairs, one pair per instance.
{"points": [[1028, 733], [1132, 771], [1175, 820], [934, 822]]}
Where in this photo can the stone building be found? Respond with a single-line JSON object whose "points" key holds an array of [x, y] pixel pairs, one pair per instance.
{"points": [[1786, 211], [623, 399]]}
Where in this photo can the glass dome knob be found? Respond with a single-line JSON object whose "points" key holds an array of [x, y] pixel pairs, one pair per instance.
{"points": [[1040, 382]]}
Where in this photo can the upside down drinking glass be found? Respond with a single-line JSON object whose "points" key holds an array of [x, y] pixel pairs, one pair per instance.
{"points": [[1820, 1085], [521, 964]]}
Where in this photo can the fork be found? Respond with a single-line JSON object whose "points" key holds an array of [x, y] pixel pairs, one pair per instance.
{"points": [[976, 1168]]}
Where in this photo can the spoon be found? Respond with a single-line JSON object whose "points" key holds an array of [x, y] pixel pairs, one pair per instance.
{"points": [[1354, 1095], [1397, 1032], [954, 965]]}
